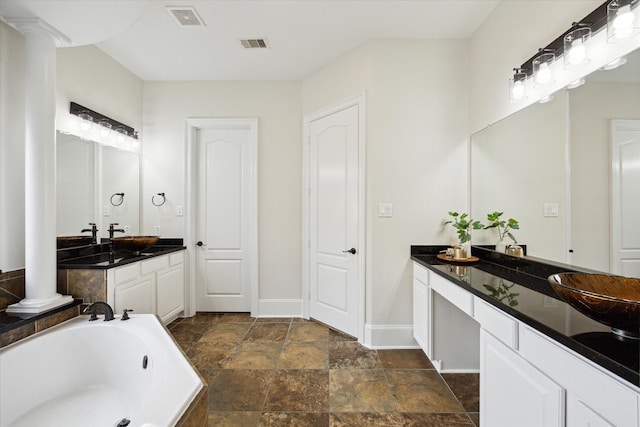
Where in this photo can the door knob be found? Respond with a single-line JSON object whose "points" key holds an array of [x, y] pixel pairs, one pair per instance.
{"points": [[351, 251], [199, 243]]}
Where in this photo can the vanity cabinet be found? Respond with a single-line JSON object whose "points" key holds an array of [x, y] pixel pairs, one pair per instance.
{"points": [[526, 377], [152, 286]]}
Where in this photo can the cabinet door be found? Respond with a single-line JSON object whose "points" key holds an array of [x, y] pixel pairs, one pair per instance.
{"points": [[170, 293], [514, 393], [579, 413], [138, 295]]}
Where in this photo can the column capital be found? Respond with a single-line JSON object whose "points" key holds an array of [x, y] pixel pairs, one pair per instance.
{"points": [[37, 26]]}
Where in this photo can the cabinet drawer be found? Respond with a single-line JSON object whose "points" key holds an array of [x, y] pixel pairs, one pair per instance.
{"points": [[127, 273], [420, 273], [176, 258], [498, 324], [452, 293], [154, 264], [596, 389]]}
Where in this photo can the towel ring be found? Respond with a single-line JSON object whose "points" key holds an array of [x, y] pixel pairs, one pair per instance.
{"points": [[121, 195], [153, 199]]}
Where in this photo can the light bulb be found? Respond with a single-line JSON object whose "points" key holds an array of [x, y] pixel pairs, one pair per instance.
{"points": [[517, 92], [543, 75], [578, 52]]}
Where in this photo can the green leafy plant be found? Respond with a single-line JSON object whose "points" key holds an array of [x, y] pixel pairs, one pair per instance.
{"points": [[463, 225], [502, 293], [503, 227]]}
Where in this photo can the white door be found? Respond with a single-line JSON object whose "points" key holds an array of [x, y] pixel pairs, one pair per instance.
{"points": [[625, 197], [334, 220], [225, 229]]}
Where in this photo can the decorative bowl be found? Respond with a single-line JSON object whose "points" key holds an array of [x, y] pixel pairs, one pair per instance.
{"points": [[136, 244], [608, 299], [64, 242]]}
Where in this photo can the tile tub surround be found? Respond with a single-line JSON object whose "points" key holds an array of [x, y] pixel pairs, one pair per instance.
{"points": [[287, 371], [11, 287], [538, 305]]}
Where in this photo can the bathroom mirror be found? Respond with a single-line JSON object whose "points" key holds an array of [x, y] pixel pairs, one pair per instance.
{"points": [[549, 166], [89, 179]]}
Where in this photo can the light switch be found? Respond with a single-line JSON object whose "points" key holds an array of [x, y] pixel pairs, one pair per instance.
{"points": [[550, 209], [385, 210], [106, 211], [158, 230], [179, 211]]}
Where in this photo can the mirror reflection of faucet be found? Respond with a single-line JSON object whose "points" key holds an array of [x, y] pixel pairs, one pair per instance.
{"points": [[94, 232], [112, 231]]}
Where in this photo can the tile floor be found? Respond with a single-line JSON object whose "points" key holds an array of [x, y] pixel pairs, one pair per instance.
{"points": [[292, 372]]}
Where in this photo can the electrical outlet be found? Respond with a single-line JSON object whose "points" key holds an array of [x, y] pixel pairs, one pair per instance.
{"points": [[550, 209], [158, 230], [385, 210], [127, 229], [106, 211]]}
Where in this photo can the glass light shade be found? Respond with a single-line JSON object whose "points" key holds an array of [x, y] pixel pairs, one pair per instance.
{"points": [[121, 134], [542, 75], [622, 21], [85, 122], [105, 128], [545, 99], [575, 49], [576, 83], [517, 89], [618, 62]]}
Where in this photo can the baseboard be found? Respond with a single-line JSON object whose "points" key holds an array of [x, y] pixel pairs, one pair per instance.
{"points": [[279, 308], [382, 337]]}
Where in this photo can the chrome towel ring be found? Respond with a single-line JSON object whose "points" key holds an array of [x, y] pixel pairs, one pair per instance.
{"points": [[159, 202], [118, 201]]}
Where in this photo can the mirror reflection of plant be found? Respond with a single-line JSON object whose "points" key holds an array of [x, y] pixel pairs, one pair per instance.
{"points": [[502, 294], [503, 227], [463, 225]]}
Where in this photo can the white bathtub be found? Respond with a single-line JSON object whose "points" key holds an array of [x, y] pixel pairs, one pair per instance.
{"points": [[91, 374]]}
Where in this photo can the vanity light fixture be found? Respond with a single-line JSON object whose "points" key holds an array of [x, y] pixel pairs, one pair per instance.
{"points": [[622, 20], [542, 74], [105, 130], [517, 89], [575, 49]]}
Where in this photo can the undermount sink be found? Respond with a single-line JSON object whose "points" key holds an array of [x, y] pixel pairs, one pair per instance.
{"points": [[612, 300], [136, 244]]}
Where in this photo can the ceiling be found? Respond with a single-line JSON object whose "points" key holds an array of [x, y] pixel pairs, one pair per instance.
{"points": [[303, 35]]}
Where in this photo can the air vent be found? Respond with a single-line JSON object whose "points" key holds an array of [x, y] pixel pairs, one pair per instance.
{"points": [[185, 16], [255, 43]]}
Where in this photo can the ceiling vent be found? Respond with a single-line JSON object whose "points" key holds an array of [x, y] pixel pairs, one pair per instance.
{"points": [[185, 16], [255, 43]]}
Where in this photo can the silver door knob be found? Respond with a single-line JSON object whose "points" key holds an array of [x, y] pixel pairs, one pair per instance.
{"points": [[351, 251]]}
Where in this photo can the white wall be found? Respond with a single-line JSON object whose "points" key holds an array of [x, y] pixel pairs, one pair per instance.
{"points": [[417, 128], [12, 135], [277, 107]]}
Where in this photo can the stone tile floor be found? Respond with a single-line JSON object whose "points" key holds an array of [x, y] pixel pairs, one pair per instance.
{"points": [[293, 372]]}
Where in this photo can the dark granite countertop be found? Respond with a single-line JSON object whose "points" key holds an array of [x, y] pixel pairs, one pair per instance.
{"points": [[97, 257], [518, 287]]}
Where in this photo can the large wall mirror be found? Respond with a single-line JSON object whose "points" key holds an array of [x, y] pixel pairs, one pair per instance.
{"points": [[90, 179], [569, 171]]}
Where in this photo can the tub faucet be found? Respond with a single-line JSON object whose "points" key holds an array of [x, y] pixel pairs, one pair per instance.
{"points": [[94, 232], [106, 308]]}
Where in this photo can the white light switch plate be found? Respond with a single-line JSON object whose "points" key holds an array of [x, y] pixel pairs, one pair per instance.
{"points": [[550, 209], [385, 210]]}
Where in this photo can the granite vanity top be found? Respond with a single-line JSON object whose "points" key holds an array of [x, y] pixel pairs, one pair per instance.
{"points": [[518, 287], [97, 257]]}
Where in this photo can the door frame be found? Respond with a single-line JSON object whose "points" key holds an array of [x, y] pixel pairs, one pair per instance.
{"points": [[193, 125], [359, 101]]}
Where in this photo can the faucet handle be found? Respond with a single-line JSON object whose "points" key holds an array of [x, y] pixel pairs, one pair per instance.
{"points": [[125, 314]]}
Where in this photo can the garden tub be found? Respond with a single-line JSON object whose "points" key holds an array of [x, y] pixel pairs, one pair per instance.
{"points": [[83, 373]]}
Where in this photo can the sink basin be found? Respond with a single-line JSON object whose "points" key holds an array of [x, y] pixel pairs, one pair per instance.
{"points": [[64, 242], [136, 244], [612, 300]]}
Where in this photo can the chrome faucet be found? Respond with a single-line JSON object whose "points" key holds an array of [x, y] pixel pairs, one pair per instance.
{"points": [[94, 232], [106, 309]]}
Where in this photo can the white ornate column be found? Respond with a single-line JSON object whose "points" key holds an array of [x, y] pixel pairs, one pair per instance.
{"points": [[40, 168]]}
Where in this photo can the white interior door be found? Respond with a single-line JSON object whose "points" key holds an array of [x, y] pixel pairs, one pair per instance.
{"points": [[334, 220], [225, 230], [625, 200]]}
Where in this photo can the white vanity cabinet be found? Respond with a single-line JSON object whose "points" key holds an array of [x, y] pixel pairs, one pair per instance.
{"points": [[155, 286], [421, 318]]}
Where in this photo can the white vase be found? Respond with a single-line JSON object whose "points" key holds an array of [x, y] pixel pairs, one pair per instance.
{"points": [[501, 247]]}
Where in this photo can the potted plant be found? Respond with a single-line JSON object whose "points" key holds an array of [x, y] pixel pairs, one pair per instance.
{"points": [[463, 225], [503, 227]]}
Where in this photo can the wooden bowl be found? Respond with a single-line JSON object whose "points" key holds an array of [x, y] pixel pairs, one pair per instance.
{"points": [[612, 300]]}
